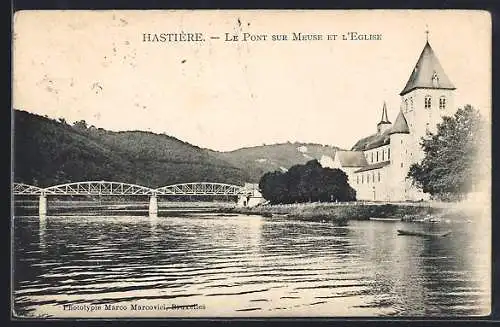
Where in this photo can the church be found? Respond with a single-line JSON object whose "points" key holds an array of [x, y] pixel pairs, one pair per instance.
{"points": [[377, 165]]}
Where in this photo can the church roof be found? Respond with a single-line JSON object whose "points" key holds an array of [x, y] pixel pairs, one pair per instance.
{"points": [[374, 166], [372, 141], [426, 68], [400, 125], [351, 158]]}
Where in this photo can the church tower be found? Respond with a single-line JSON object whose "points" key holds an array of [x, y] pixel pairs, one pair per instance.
{"points": [[384, 123], [426, 98]]}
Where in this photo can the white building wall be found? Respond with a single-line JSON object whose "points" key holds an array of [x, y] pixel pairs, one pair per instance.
{"points": [[383, 154], [421, 119], [350, 174], [398, 167], [372, 185]]}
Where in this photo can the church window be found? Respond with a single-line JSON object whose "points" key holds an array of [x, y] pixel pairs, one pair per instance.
{"points": [[362, 178], [377, 156], [401, 165], [357, 179], [367, 178], [383, 155], [388, 153], [379, 176], [427, 102], [435, 80], [373, 177], [372, 157], [442, 102]]}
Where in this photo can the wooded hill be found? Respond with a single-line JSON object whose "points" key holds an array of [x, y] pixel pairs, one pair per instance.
{"points": [[49, 152]]}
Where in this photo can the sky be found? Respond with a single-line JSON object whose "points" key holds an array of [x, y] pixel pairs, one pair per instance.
{"points": [[94, 66]]}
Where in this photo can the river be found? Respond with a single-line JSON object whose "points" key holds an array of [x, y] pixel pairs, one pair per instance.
{"points": [[245, 266]]}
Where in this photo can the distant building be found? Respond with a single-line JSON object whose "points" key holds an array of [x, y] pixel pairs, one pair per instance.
{"points": [[377, 165], [253, 198]]}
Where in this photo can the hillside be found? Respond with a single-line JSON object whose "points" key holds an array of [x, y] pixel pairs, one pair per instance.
{"points": [[48, 152], [260, 159]]}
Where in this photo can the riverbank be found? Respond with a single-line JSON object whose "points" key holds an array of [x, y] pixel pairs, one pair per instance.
{"points": [[336, 212]]}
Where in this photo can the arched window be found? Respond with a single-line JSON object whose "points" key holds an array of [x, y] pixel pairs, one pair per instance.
{"points": [[427, 103], [435, 80], [377, 156], [442, 102], [388, 153], [373, 176], [372, 157]]}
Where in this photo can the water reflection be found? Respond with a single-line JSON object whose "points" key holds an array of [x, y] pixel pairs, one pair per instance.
{"points": [[153, 228], [42, 230], [247, 265]]}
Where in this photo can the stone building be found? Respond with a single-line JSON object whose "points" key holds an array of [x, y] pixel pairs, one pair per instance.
{"points": [[377, 165]]}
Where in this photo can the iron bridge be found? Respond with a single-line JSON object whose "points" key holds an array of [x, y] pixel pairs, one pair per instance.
{"points": [[117, 188]]}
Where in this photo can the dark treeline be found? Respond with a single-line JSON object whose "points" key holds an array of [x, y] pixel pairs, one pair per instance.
{"points": [[306, 183], [49, 152]]}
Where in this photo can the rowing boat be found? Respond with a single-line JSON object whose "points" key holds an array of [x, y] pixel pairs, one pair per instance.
{"points": [[424, 234], [384, 219]]}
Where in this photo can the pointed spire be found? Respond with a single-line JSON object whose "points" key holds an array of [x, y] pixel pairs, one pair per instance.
{"points": [[384, 123], [384, 118], [427, 71], [400, 125]]}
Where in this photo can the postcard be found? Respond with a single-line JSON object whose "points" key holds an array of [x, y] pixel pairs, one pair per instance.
{"points": [[251, 163]]}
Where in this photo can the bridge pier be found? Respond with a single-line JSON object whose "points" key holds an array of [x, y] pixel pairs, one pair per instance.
{"points": [[42, 206], [153, 206]]}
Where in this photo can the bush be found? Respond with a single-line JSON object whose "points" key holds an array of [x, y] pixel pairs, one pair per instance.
{"points": [[306, 183]]}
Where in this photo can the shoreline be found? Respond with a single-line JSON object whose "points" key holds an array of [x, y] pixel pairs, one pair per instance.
{"points": [[320, 212], [335, 212]]}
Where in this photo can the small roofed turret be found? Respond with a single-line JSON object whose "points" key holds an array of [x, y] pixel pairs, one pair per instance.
{"points": [[384, 123], [400, 126]]}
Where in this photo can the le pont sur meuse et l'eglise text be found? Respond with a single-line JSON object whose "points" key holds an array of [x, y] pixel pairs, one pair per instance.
{"points": [[250, 37]]}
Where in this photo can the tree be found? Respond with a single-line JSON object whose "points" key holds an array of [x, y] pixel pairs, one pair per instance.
{"points": [[306, 183], [450, 166], [82, 124], [273, 187]]}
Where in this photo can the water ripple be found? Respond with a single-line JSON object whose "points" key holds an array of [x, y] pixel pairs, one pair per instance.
{"points": [[246, 265]]}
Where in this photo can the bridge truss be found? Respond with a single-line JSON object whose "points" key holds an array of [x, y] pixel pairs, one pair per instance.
{"points": [[98, 188], [117, 188], [25, 189], [202, 188]]}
